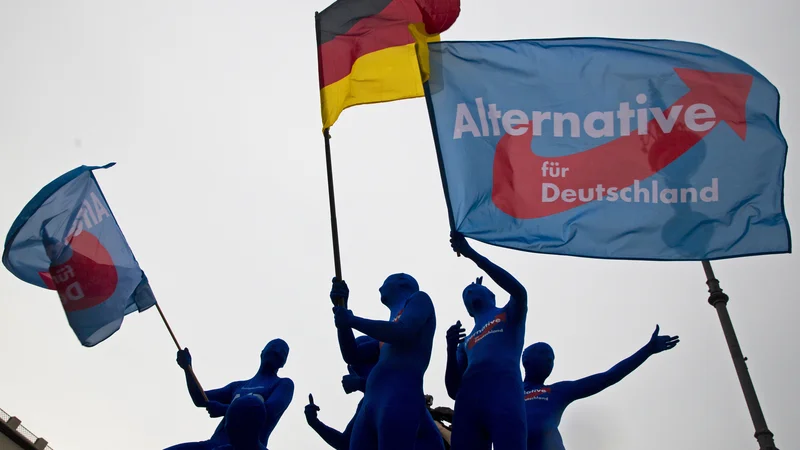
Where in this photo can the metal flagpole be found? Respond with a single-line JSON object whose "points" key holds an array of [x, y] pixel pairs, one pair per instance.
{"points": [[334, 228], [719, 300], [326, 133]]}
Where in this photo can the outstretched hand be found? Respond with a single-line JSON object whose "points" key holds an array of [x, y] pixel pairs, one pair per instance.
{"points": [[339, 291], [658, 343], [455, 335], [184, 359], [460, 245], [311, 410], [342, 317]]}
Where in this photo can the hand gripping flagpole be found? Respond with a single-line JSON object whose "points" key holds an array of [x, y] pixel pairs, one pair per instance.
{"points": [[719, 301], [174, 339], [326, 133]]}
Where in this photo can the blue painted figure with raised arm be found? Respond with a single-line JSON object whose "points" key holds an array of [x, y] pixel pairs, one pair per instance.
{"points": [[393, 414], [354, 381], [545, 404], [482, 373], [273, 391]]}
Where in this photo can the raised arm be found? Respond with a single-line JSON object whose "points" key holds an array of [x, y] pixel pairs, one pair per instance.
{"points": [[585, 387], [518, 304], [332, 437], [417, 311], [456, 359], [352, 352], [222, 395]]}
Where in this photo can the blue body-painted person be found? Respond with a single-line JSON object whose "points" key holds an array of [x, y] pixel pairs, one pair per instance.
{"points": [[275, 392], [393, 414], [243, 424], [482, 373], [546, 403], [355, 380]]}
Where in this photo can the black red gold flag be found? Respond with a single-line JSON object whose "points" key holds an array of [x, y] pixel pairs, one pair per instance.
{"points": [[367, 50]]}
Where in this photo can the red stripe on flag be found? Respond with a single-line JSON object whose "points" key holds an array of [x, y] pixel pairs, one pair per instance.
{"points": [[389, 28]]}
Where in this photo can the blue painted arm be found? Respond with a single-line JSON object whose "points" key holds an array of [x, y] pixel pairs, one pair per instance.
{"points": [[337, 440], [356, 353], [222, 395], [279, 400], [456, 359], [416, 312], [352, 352], [194, 391], [332, 437], [220, 399], [348, 432], [456, 365], [518, 304], [585, 387]]}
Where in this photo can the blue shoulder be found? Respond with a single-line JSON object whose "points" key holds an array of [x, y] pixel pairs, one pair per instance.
{"points": [[421, 299]]}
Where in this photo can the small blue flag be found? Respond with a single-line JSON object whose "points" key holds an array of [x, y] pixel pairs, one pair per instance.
{"points": [[67, 239], [609, 148]]}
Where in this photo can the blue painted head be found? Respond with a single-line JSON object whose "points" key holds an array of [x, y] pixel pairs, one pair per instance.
{"points": [[243, 421], [397, 288], [477, 298], [274, 355], [538, 360]]}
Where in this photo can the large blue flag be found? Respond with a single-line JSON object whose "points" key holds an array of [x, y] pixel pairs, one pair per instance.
{"points": [[609, 148], [67, 239]]}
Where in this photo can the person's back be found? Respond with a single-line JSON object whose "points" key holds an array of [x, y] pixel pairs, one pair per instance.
{"points": [[403, 364], [544, 406]]}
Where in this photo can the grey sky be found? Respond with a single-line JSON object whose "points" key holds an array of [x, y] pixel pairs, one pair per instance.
{"points": [[211, 111]]}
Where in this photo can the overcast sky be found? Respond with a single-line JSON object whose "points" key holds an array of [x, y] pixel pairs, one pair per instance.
{"points": [[211, 111]]}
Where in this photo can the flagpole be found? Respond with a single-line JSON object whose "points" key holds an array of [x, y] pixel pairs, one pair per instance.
{"points": [[331, 200], [439, 160], [175, 340], [719, 301]]}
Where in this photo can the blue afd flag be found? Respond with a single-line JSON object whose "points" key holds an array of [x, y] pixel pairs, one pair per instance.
{"points": [[67, 239], [609, 148]]}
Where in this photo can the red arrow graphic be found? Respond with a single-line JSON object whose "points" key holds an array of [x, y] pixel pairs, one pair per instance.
{"points": [[519, 173]]}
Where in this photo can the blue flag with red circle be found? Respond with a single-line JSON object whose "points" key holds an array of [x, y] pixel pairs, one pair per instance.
{"points": [[609, 148], [66, 239]]}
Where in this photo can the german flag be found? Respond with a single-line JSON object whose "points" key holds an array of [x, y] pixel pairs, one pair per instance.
{"points": [[366, 50]]}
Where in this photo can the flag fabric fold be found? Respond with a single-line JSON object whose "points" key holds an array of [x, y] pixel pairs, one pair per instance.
{"points": [[67, 239], [609, 148], [366, 50]]}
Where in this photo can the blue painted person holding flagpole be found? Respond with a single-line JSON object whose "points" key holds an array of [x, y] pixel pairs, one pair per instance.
{"points": [[482, 373]]}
